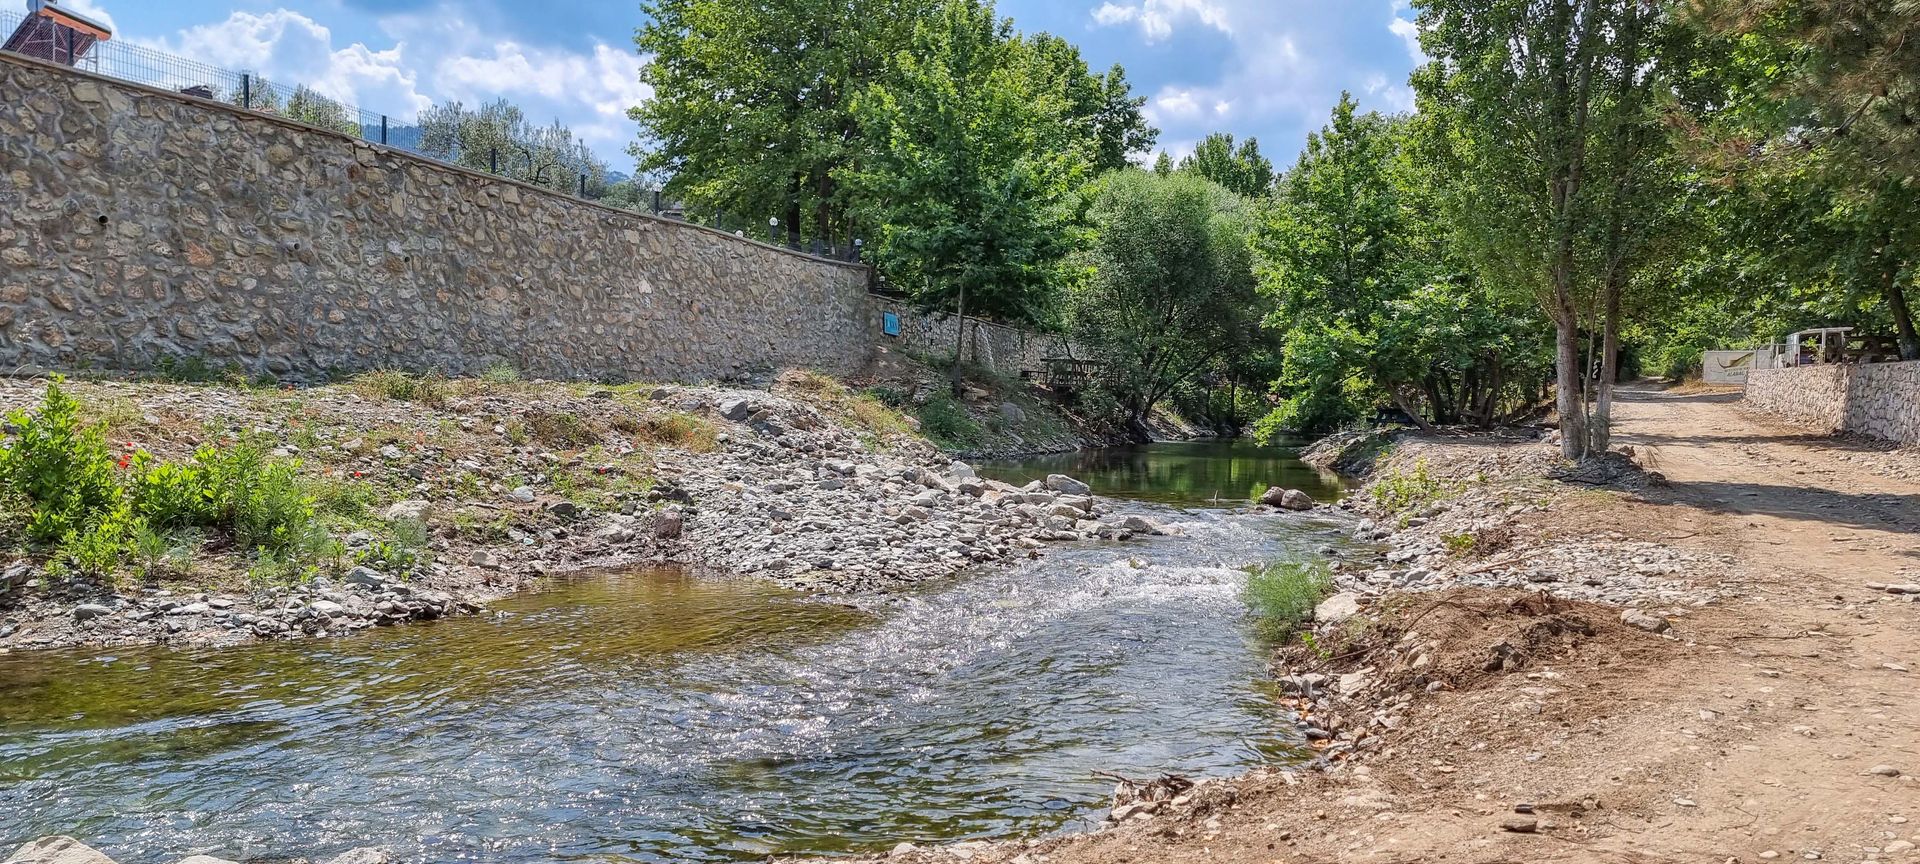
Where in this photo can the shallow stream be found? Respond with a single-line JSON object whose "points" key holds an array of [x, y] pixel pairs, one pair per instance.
{"points": [[649, 716]]}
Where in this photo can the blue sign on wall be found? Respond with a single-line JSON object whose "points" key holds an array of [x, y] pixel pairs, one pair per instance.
{"points": [[890, 323]]}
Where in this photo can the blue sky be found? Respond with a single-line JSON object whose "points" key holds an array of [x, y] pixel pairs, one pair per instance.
{"points": [[1266, 68]]}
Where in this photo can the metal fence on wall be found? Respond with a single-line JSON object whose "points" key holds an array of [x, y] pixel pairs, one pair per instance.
{"points": [[143, 65]]}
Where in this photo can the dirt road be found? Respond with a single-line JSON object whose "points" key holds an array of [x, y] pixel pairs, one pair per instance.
{"points": [[1782, 723]]}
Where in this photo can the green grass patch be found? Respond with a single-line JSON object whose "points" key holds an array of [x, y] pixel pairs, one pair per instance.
{"points": [[946, 422], [1405, 489], [1281, 596]]}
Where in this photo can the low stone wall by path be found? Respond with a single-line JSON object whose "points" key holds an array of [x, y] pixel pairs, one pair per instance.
{"points": [[137, 225], [1877, 399]]}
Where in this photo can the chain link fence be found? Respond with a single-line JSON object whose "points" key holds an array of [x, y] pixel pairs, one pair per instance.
{"points": [[563, 167]]}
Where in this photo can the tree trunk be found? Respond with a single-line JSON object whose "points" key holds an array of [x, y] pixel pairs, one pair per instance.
{"points": [[1569, 398], [1600, 431], [1413, 413], [1902, 313]]}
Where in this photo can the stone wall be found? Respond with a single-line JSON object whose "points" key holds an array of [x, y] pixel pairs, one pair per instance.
{"points": [[137, 224], [1007, 350], [1878, 399]]}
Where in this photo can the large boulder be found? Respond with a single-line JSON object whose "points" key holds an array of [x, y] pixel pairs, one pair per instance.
{"points": [[1286, 499], [1065, 485], [57, 850]]}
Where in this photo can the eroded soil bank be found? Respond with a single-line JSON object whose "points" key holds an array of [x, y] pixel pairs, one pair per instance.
{"points": [[1698, 652]]}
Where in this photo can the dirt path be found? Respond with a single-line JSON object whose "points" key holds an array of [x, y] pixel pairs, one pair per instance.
{"points": [[1751, 732]]}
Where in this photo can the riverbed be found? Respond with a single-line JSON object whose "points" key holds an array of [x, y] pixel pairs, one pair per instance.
{"points": [[652, 716], [1184, 473]]}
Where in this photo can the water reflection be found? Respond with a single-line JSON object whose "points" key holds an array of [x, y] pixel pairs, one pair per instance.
{"points": [[1191, 473]]}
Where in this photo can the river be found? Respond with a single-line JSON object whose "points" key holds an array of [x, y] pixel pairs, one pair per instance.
{"points": [[650, 716]]}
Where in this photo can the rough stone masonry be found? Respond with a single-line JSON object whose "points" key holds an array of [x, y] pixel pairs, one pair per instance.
{"points": [[1877, 399], [137, 225]]}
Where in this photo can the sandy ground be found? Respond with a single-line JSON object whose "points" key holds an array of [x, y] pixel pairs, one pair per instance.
{"points": [[1780, 724]]}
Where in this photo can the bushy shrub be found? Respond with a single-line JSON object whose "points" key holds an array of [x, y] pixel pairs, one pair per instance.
{"points": [[947, 422], [58, 471], [61, 475], [1282, 596]]}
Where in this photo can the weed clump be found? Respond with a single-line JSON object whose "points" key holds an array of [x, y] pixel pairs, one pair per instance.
{"points": [[1282, 596], [1407, 489], [96, 511], [382, 385]]}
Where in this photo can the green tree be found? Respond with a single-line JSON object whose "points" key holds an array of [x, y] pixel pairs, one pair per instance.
{"points": [[970, 169], [1824, 106], [1242, 170], [753, 103], [1374, 299], [1163, 165], [497, 136], [1543, 106], [1170, 290], [314, 109]]}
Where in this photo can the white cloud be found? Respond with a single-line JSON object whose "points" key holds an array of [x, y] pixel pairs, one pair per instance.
{"points": [[1173, 103], [289, 49], [435, 56], [1408, 31], [1158, 18]]}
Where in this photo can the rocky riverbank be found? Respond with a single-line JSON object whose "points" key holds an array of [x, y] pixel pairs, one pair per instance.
{"points": [[66, 850], [1675, 653], [446, 495]]}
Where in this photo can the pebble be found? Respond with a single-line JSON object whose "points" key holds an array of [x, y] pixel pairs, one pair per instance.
{"points": [[1884, 771]]}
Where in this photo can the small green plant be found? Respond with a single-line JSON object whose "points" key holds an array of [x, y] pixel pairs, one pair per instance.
{"points": [[945, 421], [387, 557], [1281, 596], [1313, 644], [387, 384], [103, 545], [1460, 544], [1404, 490], [560, 429], [501, 375], [59, 471]]}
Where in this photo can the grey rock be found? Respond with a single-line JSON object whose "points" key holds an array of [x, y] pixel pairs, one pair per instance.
{"points": [[1294, 499], [1012, 413], [1139, 524], [57, 850], [413, 510], [389, 451], [90, 611], [522, 495], [736, 410], [1065, 485], [563, 510], [667, 524], [961, 471], [367, 576], [1642, 620], [1337, 608], [1883, 771], [328, 608], [366, 855], [205, 859]]}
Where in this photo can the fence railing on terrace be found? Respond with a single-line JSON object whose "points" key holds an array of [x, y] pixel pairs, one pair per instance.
{"points": [[508, 158]]}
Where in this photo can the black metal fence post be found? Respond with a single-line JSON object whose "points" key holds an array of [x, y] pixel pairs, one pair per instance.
{"points": [[383, 128], [246, 90], [656, 202], [493, 159], [583, 185]]}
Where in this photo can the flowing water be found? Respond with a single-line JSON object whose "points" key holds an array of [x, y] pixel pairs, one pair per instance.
{"points": [[1182, 473], [649, 716]]}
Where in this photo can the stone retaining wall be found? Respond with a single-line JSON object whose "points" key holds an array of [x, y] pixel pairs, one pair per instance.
{"points": [[1878, 399], [137, 224]]}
